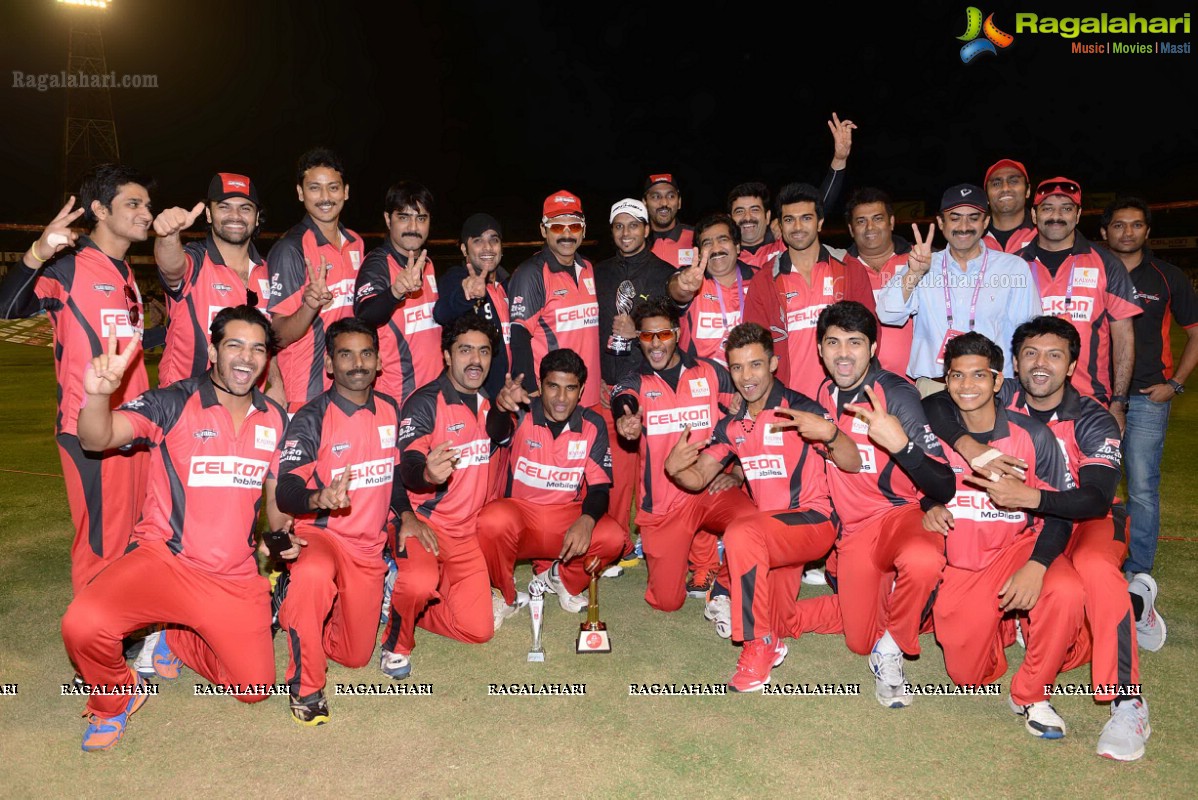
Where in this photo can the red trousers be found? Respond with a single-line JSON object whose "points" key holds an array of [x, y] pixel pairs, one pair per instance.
{"points": [[331, 608], [512, 529], [449, 593], [666, 540], [766, 553], [969, 624], [105, 492], [892, 551], [224, 633], [624, 472]]}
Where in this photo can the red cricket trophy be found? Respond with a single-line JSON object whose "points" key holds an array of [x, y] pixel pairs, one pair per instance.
{"points": [[592, 634]]}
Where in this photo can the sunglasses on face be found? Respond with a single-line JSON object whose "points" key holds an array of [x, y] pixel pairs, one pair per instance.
{"points": [[558, 228], [665, 335], [132, 306]]}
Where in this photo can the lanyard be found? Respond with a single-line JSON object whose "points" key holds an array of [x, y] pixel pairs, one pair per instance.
{"points": [[740, 295], [973, 304], [1069, 288]]}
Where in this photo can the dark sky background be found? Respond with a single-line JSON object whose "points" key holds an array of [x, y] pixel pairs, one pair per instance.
{"points": [[494, 105]]}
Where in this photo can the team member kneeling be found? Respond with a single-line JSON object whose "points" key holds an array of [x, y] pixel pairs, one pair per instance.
{"points": [[556, 496], [335, 476], [191, 561], [766, 551], [1006, 553]]}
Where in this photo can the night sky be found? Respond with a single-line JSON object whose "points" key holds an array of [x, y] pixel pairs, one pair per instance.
{"points": [[494, 105]]}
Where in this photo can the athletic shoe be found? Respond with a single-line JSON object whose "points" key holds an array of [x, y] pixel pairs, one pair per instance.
{"points": [[551, 582], [719, 611], [167, 665], [502, 610], [890, 681], [1125, 733], [395, 665], [815, 577], [1040, 719], [699, 583], [388, 585], [144, 665], [310, 711], [757, 658], [277, 596], [629, 560], [614, 571], [1019, 633], [104, 732], [1150, 627]]}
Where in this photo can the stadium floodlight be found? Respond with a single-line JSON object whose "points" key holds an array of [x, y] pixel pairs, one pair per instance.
{"points": [[99, 5]]}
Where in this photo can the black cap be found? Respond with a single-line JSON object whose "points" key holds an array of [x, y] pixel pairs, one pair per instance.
{"points": [[478, 224], [229, 184], [965, 194]]}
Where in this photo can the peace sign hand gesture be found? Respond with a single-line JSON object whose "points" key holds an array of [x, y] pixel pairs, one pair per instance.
{"points": [[105, 372], [58, 233], [919, 260], [173, 220], [811, 427], [316, 293], [690, 279], [512, 395], [409, 280], [629, 425], [884, 428], [474, 285]]}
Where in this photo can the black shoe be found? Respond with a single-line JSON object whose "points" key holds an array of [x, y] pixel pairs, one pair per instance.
{"points": [[311, 711], [276, 599]]}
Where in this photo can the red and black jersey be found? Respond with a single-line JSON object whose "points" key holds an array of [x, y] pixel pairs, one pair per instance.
{"points": [[435, 414], [1087, 432], [302, 362], [85, 294], [764, 254], [557, 306], [410, 341], [552, 470], [330, 435], [712, 313], [208, 287], [1165, 294], [782, 301], [981, 530], [881, 485], [863, 284], [695, 400], [676, 246], [1014, 240], [782, 470], [205, 486], [1091, 289]]}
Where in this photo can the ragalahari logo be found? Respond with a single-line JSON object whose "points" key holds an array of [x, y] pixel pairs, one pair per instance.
{"points": [[994, 40]]}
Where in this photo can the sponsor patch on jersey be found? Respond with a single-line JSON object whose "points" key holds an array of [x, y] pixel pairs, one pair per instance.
{"points": [[1086, 277], [134, 404], [386, 436], [1079, 308], [710, 325], [365, 290], [672, 420], [432, 281], [204, 434], [419, 318], [711, 297], [367, 474], [790, 296], [801, 319], [222, 288], [652, 395], [829, 285], [455, 427], [343, 294], [355, 258], [576, 318], [105, 288], [699, 387], [117, 318], [472, 454], [561, 292], [869, 460], [576, 449], [765, 467], [548, 477], [406, 429], [772, 436], [226, 472], [340, 448], [977, 506], [589, 285], [860, 426], [686, 256], [534, 445]]}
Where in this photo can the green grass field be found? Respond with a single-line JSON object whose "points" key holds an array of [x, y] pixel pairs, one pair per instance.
{"points": [[461, 742]]}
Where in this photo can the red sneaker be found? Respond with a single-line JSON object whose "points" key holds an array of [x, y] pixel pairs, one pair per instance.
{"points": [[757, 658]]}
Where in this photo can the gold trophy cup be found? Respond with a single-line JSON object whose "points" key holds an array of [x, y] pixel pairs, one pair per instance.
{"points": [[592, 634]]}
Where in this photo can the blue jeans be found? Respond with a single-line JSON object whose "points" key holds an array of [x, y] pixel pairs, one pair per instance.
{"points": [[1143, 445]]}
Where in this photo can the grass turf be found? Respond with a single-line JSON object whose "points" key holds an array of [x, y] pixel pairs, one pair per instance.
{"points": [[461, 741]]}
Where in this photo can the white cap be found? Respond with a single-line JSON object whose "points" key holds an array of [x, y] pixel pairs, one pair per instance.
{"points": [[630, 206]]}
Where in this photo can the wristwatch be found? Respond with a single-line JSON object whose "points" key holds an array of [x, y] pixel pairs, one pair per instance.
{"points": [[1178, 388], [1122, 399]]}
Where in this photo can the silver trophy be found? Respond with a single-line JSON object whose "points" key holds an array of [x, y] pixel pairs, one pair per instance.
{"points": [[536, 610], [625, 298]]}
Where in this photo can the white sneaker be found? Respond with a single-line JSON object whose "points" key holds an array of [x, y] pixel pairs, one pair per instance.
{"points": [[552, 583], [1019, 633], [1040, 719], [395, 665], [144, 665], [614, 571], [1150, 627], [719, 611], [815, 577], [1124, 735], [891, 682], [502, 610]]}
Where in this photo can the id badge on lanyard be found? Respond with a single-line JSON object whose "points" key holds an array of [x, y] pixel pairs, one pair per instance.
{"points": [[953, 333]]}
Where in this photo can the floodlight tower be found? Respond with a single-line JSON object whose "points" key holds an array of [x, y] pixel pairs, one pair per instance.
{"points": [[90, 129]]}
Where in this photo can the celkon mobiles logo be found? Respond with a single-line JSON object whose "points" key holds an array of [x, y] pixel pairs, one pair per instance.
{"points": [[991, 41]]}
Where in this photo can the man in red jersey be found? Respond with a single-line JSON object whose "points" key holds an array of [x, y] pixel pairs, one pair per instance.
{"points": [[89, 292], [552, 297], [1008, 189], [397, 291], [887, 565], [203, 277], [192, 561], [785, 476], [313, 269], [556, 495], [669, 239]]}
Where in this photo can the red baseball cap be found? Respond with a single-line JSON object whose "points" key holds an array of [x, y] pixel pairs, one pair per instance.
{"points": [[562, 204], [1066, 187], [1005, 162], [229, 184]]}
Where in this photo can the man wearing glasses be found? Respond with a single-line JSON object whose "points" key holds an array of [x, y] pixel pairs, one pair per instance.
{"points": [[88, 291], [552, 298]]}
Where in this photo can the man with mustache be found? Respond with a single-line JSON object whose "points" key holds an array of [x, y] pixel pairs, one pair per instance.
{"points": [[203, 277], [314, 268], [552, 297], [396, 292], [1089, 287], [555, 500], [1008, 190], [335, 472], [965, 287]]}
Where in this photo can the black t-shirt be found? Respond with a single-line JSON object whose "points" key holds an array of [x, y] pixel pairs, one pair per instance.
{"points": [[1164, 292]]}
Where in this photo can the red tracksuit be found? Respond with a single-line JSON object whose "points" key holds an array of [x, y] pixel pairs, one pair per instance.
{"points": [[676, 246], [863, 284], [192, 561], [1017, 239], [767, 551], [544, 497], [711, 314], [337, 581]]}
